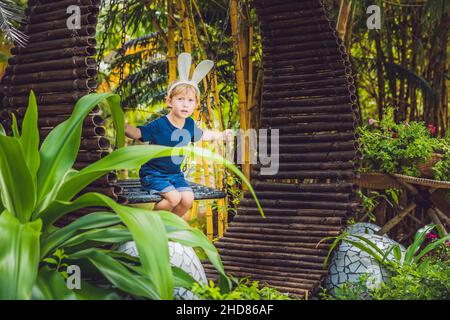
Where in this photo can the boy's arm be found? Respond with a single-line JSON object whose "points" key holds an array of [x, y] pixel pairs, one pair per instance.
{"points": [[212, 135], [133, 132]]}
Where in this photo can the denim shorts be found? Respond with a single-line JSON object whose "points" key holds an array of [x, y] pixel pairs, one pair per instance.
{"points": [[157, 182]]}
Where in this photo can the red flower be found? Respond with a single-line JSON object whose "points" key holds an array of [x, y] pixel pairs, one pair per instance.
{"points": [[431, 236], [431, 128]]}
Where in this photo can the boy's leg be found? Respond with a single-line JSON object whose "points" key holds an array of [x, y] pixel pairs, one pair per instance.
{"points": [[170, 200], [187, 199]]}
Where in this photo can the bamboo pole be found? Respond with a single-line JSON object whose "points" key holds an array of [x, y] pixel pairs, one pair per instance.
{"points": [[240, 78], [184, 21], [209, 213], [171, 42], [250, 76]]}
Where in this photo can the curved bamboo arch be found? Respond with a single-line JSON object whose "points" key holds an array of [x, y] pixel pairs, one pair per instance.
{"points": [[309, 94]]}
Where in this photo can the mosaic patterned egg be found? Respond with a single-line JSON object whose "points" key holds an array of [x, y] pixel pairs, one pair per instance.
{"points": [[180, 256], [348, 263], [363, 227]]}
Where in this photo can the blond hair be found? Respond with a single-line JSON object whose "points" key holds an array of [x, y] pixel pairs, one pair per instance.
{"points": [[181, 88]]}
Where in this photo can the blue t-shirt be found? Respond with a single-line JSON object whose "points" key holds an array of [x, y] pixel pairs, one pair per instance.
{"points": [[162, 132]]}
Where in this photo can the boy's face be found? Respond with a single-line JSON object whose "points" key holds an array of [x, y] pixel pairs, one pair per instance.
{"points": [[183, 104]]}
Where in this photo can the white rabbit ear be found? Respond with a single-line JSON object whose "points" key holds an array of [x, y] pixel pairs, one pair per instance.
{"points": [[202, 70], [184, 66]]}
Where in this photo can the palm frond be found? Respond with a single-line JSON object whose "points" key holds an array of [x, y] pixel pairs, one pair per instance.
{"points": [[11, 13], [413, 78], [399, 71]]}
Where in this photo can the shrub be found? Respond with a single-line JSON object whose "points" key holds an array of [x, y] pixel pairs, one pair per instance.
{"points": [[399, 148], [244, 290]]}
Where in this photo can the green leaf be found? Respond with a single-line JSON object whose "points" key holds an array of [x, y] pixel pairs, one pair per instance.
{"points": [[433, 245], [16, 183], [50, 260], [30, 136], [116, 234], [15, 127], [151, 241], [59, 149], [179, 231], [91, 292], [91, 221], [182, 279], [398, 253], [50, 285], [369, 243], [19, 256], [117, 274], [417, 243], [124, 158], [339, 238]]}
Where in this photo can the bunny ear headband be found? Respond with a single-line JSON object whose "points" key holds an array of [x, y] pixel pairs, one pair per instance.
{"points": [[184, 68]]}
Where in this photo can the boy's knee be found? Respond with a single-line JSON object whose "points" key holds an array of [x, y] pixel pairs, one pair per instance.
{"points": [[173, 197], [187, 199]]}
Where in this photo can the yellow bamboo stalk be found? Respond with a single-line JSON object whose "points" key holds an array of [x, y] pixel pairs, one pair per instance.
{"points": [[171, 42], [241, 86], [185, 30], [209, 213], [343, 17], [250, 75], [215, 93]]}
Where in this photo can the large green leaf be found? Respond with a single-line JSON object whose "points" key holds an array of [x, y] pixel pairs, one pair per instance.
{"points": [[19, 256], [151, 241], [59, 150], [125, 158], [182, 279], [30, 136], [16, 183], [50, 285], [58, 209], [112, 234], [50, 241], [132, 157], [179, 231], [91, 292], [117, 274]]}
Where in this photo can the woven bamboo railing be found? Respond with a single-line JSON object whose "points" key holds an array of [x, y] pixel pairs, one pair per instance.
{"points": [[59, 65], [309, 95]]}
